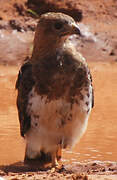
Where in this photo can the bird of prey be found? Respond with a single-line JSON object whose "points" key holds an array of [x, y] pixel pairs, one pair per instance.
{"points": [[55, 94]]}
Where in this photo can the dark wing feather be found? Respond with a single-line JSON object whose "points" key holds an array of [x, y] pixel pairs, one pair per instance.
{"points": [[92, 98], [92, 91], [24, 85]]}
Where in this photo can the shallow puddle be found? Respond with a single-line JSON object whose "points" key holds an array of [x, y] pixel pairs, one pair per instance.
{"points": [[99, 141]]}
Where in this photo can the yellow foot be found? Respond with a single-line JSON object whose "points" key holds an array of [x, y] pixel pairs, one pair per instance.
{"points": [[57, 168], [55, 165]]}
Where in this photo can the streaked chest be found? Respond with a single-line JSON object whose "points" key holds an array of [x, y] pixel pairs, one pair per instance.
{"points": [[56, 114]]}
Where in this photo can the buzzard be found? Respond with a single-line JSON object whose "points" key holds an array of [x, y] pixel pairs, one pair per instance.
{"points": [[55, 94]]}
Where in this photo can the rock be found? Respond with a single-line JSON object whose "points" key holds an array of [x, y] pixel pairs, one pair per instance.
{"points": [[66, 6]]}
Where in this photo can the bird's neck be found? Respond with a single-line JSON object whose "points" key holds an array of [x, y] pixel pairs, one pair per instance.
{"points": [[44, 48], [46, 45]]}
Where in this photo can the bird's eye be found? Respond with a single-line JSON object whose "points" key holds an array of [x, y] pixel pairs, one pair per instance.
{"points": [[58, 25]]}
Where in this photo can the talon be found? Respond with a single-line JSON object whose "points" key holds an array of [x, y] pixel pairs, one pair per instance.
{"points": [[53, 170], [57, 168]]}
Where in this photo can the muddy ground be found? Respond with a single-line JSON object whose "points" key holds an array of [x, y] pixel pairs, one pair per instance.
{"points": [[98, 22], [89, 171]]}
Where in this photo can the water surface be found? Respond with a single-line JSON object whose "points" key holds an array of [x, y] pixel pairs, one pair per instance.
{"points": [[99, 141]]}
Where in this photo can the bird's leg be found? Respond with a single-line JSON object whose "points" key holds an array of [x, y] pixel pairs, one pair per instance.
{"points": [[54, 160], [56, 156], [59, 152], [55, 164]]}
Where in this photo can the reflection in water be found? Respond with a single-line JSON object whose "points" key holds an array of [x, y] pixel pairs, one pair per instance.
{"points": [[99, 141]]}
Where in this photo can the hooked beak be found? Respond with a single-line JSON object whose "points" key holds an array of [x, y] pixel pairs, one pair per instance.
{"points": [[76, 30]]}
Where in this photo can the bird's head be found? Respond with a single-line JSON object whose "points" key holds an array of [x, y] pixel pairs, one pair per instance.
{"points": [[58, 24], [52, 30]]}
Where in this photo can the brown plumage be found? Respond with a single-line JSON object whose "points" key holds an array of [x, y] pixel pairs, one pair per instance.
{"points": [[55, 94]]}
